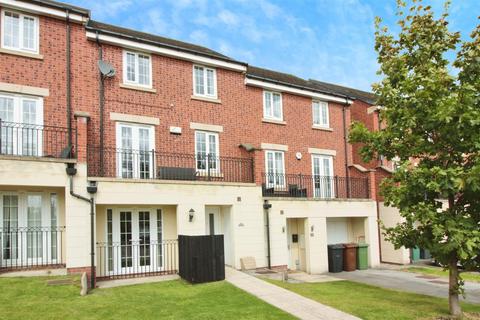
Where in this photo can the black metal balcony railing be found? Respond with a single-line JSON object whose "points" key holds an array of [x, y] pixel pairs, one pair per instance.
{"points": [[31, 140], [306, 186], [31, 247], [136, 258], [135, 164]]}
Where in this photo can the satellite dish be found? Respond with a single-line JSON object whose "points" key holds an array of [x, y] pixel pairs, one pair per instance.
{"points": [[106, 69]]}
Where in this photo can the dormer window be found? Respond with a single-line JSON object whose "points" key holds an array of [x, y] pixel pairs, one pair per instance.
{"points": [[19, 32]]}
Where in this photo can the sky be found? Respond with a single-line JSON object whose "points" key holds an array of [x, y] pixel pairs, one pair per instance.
{"points": [[327, 40]]}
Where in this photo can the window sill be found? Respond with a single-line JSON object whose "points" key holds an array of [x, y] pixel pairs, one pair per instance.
{"points": [[138, 88], [22, 53], [279, 122], [322, 128], [206, 99]]}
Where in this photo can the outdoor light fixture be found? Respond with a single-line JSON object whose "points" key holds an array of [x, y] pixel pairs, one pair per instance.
{"points": [[191, 213]]}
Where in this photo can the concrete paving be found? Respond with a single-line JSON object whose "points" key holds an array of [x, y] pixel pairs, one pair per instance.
{"points": [[410, 282], [132, 281], [288, 301], [35, 273]]}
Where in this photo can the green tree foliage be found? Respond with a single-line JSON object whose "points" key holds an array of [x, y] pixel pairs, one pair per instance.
{"points": [[430, 108]]}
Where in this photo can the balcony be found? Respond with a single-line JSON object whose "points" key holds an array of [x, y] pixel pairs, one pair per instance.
{"points": [[137, 164], [320, 187], [31, 247], [31, 140]]}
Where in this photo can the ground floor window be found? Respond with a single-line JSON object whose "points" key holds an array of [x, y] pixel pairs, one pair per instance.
{"points": [[29, 229]]}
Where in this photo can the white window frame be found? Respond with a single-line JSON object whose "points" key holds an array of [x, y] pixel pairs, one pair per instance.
{"points": [[321, 121], [135, 142], [217, 151], [272, 115], [137, 81], [154, 231], [22, 224], [20, 47], [324, 180], [205, 93], [279, 182], [17, 146]]}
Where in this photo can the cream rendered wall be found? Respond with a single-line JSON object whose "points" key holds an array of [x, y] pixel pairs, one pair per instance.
{"points": [[316, 212], [42, 174], [390, 217], [243, 200]]}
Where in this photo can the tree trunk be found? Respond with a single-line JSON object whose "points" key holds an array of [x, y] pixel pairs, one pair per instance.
{"points": [[453, 298]]}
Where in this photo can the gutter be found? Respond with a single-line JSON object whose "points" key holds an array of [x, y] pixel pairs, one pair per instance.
{"points": [[102, 106], [168, 46], [71, 171], [345, 144], [266, 207], [69, 87], [81, 11], [295, 86]]}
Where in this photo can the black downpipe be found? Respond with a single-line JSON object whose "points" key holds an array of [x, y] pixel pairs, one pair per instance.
{"points": [[92, 231], [266, 207], [101, 98], [69, 90], [345, 143]]}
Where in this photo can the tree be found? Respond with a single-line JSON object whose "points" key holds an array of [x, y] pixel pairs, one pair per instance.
{"points": [[430, 108]]}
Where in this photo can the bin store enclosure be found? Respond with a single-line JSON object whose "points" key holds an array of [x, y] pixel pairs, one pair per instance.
{"points": [[201, 258], [335, 258]]}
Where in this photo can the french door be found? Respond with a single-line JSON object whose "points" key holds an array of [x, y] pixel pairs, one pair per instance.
{"points": [[29, 230], [275, 167], [21, 128], [322, 167], [134, 239], [207, 151], [135, 151]]}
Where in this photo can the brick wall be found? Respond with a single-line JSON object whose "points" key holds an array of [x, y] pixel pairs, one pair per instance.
{"points": [[240, 112]]}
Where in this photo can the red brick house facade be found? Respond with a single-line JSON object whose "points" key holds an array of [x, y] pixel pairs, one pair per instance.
{"points": [[168, 105]]}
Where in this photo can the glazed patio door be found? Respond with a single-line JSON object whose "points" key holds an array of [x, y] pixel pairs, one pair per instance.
{"points": [[136, 236], [322, 167], [135, 158]]}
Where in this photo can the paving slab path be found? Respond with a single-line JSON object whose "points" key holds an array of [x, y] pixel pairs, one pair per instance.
{"points": [[410, 282], [288, 301]]}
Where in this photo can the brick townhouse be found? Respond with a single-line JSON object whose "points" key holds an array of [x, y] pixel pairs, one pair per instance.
{"points": [[114, 142]]}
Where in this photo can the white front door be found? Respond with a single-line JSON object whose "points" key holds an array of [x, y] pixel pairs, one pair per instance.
{"points": [[213, 221], [135, 242], [323, 184]]}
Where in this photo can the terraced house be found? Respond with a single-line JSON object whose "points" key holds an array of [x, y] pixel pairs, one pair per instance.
{"points": [[114, 142]]}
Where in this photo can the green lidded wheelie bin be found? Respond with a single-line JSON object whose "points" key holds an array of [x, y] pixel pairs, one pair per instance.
{"points": [[335, 257], [362, 256]]}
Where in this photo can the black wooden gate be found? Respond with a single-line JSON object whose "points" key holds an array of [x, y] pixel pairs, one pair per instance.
{"points": [[201, 258]]}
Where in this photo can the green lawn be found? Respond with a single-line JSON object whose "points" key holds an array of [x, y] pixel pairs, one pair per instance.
{"points": [[369, 302], [32, 298], [438, 271]]}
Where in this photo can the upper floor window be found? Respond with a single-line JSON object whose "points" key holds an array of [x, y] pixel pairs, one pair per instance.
{"points": [[21, 127], [204, 81], [272, 105], [19, 31], [137, 69], [275, 169], [320, 114], [135, 151], [207, 151]]}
